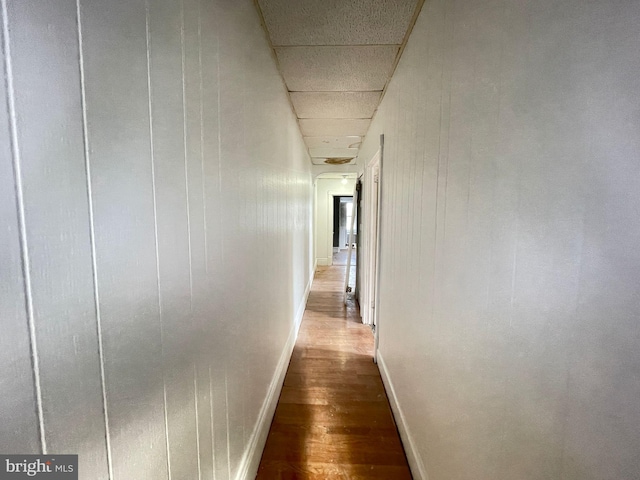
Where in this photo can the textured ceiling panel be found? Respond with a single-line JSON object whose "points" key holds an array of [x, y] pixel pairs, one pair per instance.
{"points": [[327, 69], [335, 104], [337, 22], [333, 142], [320, 127], [336, 57], [333, 152]]}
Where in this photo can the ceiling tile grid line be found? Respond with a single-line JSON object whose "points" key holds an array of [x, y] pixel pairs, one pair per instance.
{"points": [[352, 141], [336, 58], [311, 127], [336, 68], [335, 104], [337, 21]]}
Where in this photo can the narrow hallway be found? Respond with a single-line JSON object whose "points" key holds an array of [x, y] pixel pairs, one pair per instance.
{"points": [[333, 418]]}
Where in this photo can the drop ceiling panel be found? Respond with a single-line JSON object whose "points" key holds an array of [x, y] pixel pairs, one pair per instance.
{"points": [[335, 104], [330, 69], [334, 142], [337, 22], [320, 127], [336, 57], [333, 152]]}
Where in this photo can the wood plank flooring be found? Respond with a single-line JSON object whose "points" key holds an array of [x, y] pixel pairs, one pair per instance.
{"points": [[333, 419]]}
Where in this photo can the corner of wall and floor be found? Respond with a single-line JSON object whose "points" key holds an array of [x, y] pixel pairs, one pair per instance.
{"points": [[508, 332], [251, 459], [155, 198]]}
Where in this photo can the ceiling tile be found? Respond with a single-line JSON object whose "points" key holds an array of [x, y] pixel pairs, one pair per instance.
{"points": [[335, 104], [330, 69], [319, 127], [333, 152], [337, 22], [334, 142]]}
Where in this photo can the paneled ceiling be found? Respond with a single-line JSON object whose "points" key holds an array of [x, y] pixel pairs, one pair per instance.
{"points": [[336, 58]]}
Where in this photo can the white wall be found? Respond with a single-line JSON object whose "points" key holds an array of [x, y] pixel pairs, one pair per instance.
{"points": [[155, 201], [324, 208], [510, 289]]}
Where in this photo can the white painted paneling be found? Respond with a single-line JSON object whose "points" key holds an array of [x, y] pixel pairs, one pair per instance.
{"points": [[352, 22], [335, 104], [330, 69], [119, 144], [172, 223], [18, 415], [194, 135], [236, 260], [44, 44], [216, 345], [509, 268], [318, 127], [200, 190]]}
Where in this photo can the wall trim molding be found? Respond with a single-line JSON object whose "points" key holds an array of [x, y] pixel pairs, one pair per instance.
{"points": [[251, 458], [418, 469]]}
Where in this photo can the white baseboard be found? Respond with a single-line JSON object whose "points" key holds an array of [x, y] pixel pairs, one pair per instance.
{"points": [[415, 462], [252, 455]]}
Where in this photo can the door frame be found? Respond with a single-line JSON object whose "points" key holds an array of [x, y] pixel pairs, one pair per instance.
{"points": [[373, 255], [330, 197], [371, 239]]}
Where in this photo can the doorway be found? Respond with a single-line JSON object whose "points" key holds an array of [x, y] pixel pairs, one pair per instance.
{"points": [[328, 186], [342, 216], [371, 237]]}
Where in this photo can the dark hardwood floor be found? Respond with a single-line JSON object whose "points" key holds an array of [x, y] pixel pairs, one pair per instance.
{"points": [[333, 419]]}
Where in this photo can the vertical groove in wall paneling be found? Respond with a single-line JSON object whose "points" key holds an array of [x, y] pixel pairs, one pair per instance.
{"points": [[24, 247], [19, 413], [157, 248], [94, 265], [162, 181]]}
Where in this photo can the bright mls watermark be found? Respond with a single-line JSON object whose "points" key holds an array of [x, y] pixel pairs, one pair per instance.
{"points": [[50, 467]]}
